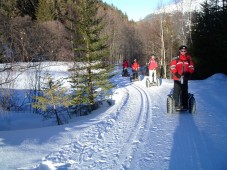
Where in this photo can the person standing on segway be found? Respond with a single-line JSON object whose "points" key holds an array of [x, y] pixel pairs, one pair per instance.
{"points": [[125, 68], [152, 66], [135, 69], [181, 67]]}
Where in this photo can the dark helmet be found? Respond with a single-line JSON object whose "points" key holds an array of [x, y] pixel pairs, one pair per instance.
{"points": [[183, 47]]}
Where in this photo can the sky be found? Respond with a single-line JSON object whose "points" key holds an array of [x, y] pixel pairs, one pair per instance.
{"points": [[135, 132], [137, 9]]}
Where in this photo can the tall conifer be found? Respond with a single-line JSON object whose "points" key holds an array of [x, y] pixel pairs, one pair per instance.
{"points": [[91, 52], [45, 11]]}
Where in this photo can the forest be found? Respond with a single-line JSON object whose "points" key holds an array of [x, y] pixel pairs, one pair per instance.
{"points": [[33, 30], [100, 36]]}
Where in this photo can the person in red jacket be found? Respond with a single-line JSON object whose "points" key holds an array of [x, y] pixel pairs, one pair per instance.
{"points": [[152, 66], [125, 64], [125, 68], [135, 69], [181, 67]]}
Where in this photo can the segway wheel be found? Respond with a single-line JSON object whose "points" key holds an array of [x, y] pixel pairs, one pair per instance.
{"points": [[192, 105], [147, 83], [139, 78], [170, 105], [158, 82]]}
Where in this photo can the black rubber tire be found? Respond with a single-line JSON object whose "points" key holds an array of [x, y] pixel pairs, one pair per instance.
{"points": [[170, 105], [192, 105], [158, 82], [147, 83]]}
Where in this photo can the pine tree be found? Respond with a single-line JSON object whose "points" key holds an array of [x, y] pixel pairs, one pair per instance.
{"points": [[8, 8], [209, 36], [45, 11], [53, 96], [91, 51], [27, 7]]}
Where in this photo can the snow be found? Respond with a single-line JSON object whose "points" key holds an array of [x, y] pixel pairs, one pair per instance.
{"points": [[135, 132], [182, 5]]}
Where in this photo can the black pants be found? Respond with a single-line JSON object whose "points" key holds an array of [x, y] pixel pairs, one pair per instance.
{"points": [[135, 74], [125, 72], [180, 89]]}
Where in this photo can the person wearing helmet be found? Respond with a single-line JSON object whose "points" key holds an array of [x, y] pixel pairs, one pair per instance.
{"points": [[181, 67], [135, 69], [152, 66]]}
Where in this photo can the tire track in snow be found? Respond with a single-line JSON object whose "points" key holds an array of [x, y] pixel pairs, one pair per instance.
{"points": [[160, 133], [145, 111], [108, 144], [141, 126], [80, 152], [81, 149]]}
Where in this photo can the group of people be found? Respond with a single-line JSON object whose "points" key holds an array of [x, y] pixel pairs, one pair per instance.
{"points": [[135, 68], [181, 67], [152, 65]]}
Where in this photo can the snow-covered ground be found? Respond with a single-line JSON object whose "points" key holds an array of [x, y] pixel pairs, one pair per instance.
{"points": [[134, 133]]}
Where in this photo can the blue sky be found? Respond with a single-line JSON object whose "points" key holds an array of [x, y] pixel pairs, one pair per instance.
{"points": [[137, 9]]}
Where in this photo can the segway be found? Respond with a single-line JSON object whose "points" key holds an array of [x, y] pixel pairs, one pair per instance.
{"points": [[171, 104], [152, 83], [125, 73], [135, 76]]}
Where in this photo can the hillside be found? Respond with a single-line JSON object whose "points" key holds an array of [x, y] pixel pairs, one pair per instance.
{"points": [[182, 6]]}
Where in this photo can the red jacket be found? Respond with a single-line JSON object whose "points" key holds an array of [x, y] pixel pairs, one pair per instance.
{"points": [[182, 65], [125, 64], [135, 66], [152, 64]]}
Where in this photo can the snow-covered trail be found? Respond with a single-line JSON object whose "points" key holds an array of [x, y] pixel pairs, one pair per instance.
{"points": [[137, 133], [111, 142], [155, 152], [186, 141]]}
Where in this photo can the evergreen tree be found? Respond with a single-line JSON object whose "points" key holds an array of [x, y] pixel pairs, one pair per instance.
{"points": [[27, 7], [209, 34], [45, 11], [60, 8], [8, 11], [52, 97], [91, 52], [8, 8]]}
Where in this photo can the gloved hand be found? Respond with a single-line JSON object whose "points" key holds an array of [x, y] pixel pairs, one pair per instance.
{"points": [[177, 75]]}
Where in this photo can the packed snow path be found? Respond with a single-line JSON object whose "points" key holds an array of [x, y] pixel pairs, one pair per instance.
{"points": [[112, 141], [137, 133]]}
